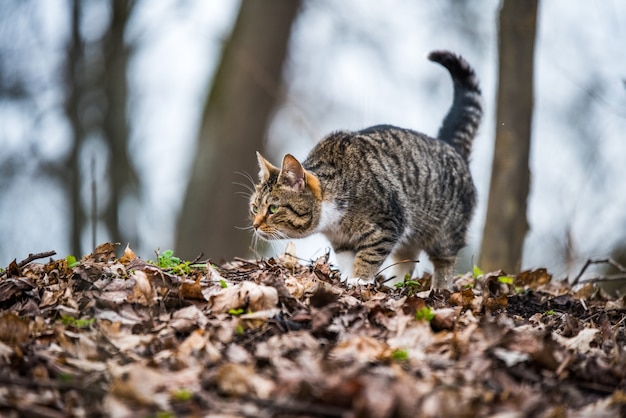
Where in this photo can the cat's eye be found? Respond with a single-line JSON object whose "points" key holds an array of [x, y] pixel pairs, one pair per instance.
{"points": [[273, 209], [255, 209]]}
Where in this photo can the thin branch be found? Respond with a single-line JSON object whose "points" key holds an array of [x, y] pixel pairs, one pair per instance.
{"points": [[607, 278], [36, 256], [609, 261], [31, 257]]}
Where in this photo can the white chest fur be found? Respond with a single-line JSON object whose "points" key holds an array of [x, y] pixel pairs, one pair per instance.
{"points": [[329, 218]]}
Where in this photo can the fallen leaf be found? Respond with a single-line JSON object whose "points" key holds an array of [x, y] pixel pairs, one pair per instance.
{"points": [[248, 296]]}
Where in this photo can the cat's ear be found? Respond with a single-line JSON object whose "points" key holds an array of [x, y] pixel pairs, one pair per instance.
{"points": [[265, 168], [292, 173]]}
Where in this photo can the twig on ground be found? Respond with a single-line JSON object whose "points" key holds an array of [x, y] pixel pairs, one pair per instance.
{"points": [[30, 258], [609, 261], [37, 256]]}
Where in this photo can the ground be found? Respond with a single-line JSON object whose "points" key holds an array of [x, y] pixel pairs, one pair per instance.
{"points": [[122, 337]]}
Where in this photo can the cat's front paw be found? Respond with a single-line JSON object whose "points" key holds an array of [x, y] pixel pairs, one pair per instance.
{"points": [[358, 282]]}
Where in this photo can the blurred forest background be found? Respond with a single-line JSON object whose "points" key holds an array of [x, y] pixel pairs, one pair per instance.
{"points": [[132, 121]]}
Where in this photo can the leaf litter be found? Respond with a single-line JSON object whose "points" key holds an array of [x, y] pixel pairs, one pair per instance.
{"points": [[122, 337]]}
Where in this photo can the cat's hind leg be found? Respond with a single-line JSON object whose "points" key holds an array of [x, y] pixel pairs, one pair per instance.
{"points": [[443, 274]]}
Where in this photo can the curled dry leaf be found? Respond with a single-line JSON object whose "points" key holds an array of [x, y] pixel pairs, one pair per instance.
{"points": [[243, 381], [143, 292], [188, 318], [149, 386], [360, 349], [129, 255], [584, 342], [248, 296]]}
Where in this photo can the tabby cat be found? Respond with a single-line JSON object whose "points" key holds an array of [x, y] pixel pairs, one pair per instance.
{"points": [[382, 191]]}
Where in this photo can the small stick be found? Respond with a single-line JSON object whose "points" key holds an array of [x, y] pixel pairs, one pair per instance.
{"points": [[37, 256], [589, 262], [31, 257], [94, 203]]}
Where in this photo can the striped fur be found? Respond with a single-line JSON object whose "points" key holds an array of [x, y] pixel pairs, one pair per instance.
{"points": [[385, 191]]}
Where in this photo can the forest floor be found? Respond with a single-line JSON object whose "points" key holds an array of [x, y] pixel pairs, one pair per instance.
{"points": [[122, 337]]}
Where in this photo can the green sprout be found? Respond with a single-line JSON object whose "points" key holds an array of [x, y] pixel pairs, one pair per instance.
{"points": [[477, 272], [409, 285], [65, 377], [182, 395], [168, 261], [236, 312], [505, 279], [424, 314], [71, 261], [78, 323], [164, 414], [400, 355]]}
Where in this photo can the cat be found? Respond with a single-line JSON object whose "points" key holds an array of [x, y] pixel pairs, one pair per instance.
{"points": [[381, 192]]}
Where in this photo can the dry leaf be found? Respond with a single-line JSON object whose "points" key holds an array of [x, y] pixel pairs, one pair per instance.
{"points": [[248, 296]]}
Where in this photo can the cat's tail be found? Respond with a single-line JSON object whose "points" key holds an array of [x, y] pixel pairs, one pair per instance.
{"points": [[461, 123]]}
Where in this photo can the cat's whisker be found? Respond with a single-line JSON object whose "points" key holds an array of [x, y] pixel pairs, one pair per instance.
{"points": [[248, 188], [249, 178], [245, 195], [254, 243]]}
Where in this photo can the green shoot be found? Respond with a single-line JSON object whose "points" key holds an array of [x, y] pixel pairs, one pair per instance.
{"points": [[78, 323], [182, 395], [424, 314], [65, 377], [505, 279], [477, 272], [235, 312], [400, 355], [71, 261], [164, 414], [167, 261]]}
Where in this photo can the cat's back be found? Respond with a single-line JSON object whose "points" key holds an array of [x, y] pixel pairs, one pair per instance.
{"points": [[385, 151]]}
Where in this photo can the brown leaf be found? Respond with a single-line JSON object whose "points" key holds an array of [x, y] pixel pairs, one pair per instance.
{"points": [[191, 290], [242, 380], [13, 269], [13, 329], [464, 298], [533, 278], [248, 296], [444, 319], [143, 291], [129, 255], [102, 254]]}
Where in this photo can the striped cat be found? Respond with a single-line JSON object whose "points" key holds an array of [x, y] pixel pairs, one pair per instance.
{"points": [[381, 192]]}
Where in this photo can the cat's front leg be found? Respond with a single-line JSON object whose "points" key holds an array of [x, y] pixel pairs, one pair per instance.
{"points": [[345, 262], [367, 263]]}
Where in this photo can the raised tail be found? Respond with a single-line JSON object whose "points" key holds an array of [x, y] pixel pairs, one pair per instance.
{"points": [[461, 123]]}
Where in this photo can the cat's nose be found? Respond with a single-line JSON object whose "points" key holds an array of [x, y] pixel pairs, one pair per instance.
{"points": [[258, 220]]}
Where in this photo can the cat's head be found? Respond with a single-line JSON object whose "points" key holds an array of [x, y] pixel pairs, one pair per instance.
{"points": [[286, 202]]}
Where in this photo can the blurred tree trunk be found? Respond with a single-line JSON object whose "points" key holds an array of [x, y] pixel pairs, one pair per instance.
{"points": [[122, 175], [236, 116], [74, 69], [506, 224], [98, 86]]}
